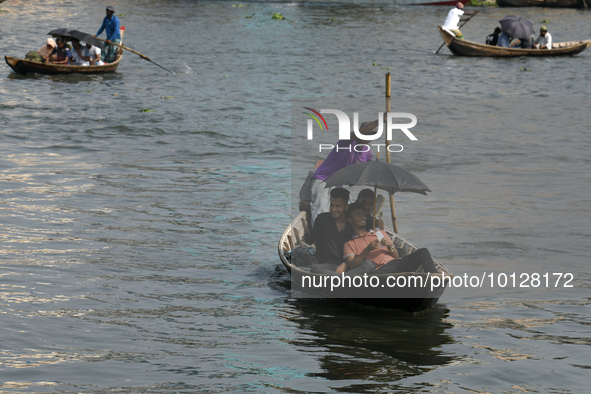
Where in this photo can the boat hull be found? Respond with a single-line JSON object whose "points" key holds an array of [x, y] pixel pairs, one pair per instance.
{"points": [[469, 48], [408, 298], [22, 66], [542, 3]]}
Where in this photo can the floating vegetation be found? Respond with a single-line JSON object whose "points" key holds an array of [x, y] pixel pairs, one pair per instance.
{"points": [[544, 21], [145, 110], [385, 68], [482, 3], [1, 10], [166, 97], [88, 91], [237, 6], [249, 16], [524, 69], [120, 15], [277, 15]]}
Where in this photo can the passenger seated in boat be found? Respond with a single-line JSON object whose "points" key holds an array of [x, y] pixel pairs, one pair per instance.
{"points": [[342, 155], [93, 55], [76, 59], [504, 40], [331, 231], [544, 40], [366, 199], [365, 253], [493, 39], [61, 51], [524, 43], [46, 49]]}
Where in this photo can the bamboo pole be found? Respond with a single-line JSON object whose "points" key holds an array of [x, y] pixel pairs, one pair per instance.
{"points": [[388, 97]]}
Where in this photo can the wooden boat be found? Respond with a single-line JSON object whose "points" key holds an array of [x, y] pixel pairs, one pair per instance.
{"points": [[470, 48], [22, 66], [407, 298], [542, 3]]}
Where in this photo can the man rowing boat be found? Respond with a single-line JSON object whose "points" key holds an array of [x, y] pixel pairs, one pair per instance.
{"points": [[453, 19], [111, 26]]}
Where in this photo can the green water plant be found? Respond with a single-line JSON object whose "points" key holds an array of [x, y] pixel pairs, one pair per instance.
{"points": [[544, 21], [237, 6], [145, 110], [524, 69], [249, 16], [277, 15], [482, 3]]}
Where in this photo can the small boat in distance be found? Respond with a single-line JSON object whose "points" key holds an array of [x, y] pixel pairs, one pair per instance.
{"points": [[470, 48], [543, 3], [22, 66]]}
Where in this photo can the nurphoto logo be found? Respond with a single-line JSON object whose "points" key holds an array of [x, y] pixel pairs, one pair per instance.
{"points": [[345, 128]]}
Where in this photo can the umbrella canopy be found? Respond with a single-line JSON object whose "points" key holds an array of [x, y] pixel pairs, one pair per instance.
{"points": [[87, 38], [385, 176], [64, 32], [517, 27]]}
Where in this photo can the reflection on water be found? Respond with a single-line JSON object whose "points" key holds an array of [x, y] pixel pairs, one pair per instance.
{"points": [[356, 342]]}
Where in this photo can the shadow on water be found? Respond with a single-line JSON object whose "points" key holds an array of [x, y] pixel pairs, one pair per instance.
{"points": [[371, 343]]}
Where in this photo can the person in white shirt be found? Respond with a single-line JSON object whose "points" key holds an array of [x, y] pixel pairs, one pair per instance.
{"points": [[452, 20], [93, 55], [544, 39], [76, 52]]}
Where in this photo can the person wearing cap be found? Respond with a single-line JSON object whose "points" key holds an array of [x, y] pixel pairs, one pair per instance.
{"points": [[453, 18], [46, 49], [544, 40], [111, 26]]}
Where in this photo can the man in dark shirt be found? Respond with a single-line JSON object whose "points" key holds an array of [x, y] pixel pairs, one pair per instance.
{"points": [[331, 231], [493, 39]]}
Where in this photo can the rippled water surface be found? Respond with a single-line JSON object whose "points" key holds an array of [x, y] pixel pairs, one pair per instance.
{"points": [[138, 248]]}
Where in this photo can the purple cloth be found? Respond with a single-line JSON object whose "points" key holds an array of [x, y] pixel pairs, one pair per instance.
{"points": [[341, 159]]}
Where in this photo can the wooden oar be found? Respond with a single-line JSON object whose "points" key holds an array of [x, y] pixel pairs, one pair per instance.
{"points": [[466, 21], [137, 53]]}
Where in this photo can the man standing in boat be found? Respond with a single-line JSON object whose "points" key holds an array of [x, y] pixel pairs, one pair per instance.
{"points": [[453, 18], [111, 26]]}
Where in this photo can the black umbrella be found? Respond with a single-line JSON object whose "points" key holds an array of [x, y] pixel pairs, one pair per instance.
{"points": [[516, 27], [87, 38], [385, 176], [64, 32], [379, 174]]}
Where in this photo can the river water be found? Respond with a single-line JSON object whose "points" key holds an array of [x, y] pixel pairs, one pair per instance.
{"points": [[140, 211]]}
